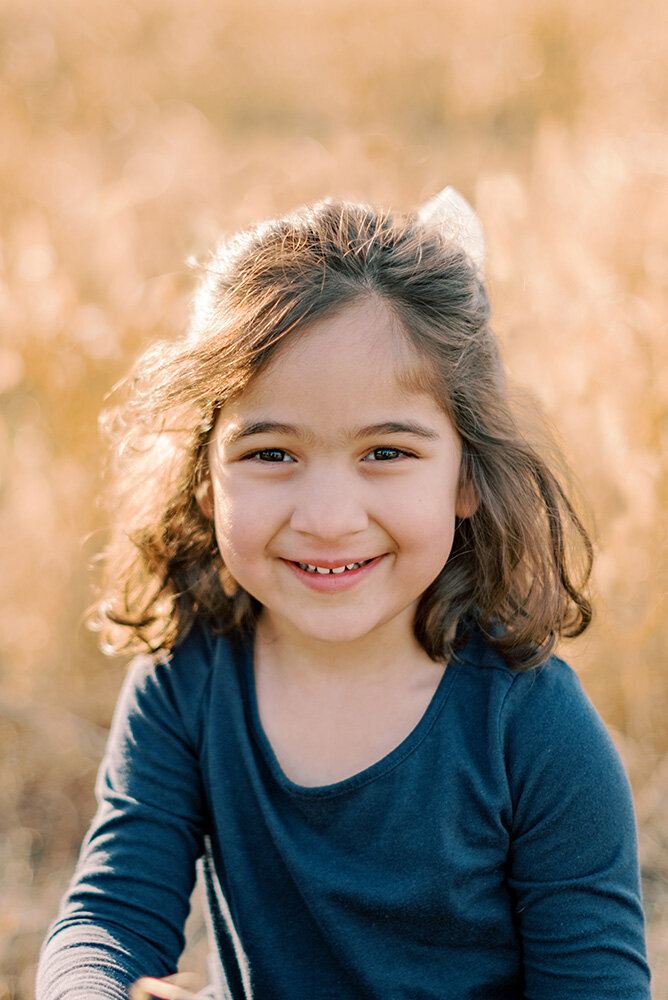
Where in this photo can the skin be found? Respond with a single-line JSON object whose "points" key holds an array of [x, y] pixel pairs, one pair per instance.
{"points": [[327, 663]]}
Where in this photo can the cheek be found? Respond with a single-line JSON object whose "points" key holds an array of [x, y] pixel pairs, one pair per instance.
{"points": [[241, 523], [441, 532], [431, 529]]}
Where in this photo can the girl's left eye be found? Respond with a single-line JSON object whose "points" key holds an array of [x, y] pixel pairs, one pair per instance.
{"points": [[386, 454]]}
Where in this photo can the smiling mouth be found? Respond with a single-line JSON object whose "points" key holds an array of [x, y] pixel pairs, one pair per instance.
{"points": [[336, 570]]}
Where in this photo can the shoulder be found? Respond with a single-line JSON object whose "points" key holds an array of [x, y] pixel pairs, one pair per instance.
{"points": [[550, 694], [540, 721], [508, 697], [548, 708], [176, 683], [187, 664]]}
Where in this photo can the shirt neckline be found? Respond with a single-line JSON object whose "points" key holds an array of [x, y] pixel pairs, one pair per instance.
{"points": [[371, 773]]}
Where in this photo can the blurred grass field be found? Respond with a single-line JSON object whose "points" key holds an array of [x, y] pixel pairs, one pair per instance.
{"points": [[134, 132]]}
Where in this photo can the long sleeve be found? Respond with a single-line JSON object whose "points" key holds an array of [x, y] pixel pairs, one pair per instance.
{"points": [[126, 907], [573, 864], [491, 854]]}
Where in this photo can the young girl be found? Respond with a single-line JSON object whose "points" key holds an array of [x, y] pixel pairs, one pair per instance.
{"points": [[348, 569]]}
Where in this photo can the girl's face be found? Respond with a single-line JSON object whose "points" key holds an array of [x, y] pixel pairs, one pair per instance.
{"points": [[327, 461]]}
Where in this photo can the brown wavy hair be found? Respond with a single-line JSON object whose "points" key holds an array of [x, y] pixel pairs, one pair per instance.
{"points": [[518, 565]]}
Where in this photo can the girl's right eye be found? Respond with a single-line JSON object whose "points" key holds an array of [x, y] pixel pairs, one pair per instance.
{"points": [[270, 455]]}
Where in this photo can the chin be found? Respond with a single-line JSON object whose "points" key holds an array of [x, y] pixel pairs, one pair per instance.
{"points": [[334, 631], [335, 634]]}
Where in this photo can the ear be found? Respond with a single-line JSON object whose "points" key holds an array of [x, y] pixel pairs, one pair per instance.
{"points": [[204, 497], [467, 501]]}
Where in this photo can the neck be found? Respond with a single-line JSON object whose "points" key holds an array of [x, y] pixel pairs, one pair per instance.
{"points": [[390, 651]]}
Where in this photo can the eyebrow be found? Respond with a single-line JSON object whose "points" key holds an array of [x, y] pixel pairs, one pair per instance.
{"points": [[251, 428]]}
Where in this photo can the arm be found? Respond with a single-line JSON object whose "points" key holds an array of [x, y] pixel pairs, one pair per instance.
{"points": [[573, 864], [124, 914]]}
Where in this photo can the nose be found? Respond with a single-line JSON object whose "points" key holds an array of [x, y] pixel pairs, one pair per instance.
{"points": [[329, 506]]}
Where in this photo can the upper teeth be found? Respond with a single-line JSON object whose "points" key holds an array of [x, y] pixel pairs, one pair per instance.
{"points": [[337, 569]]}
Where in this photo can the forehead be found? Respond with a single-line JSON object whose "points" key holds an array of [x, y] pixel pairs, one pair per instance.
{"points": [[361, 350]]}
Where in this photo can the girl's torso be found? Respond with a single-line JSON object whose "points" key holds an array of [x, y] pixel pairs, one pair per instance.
{"points": [[333, 727]]}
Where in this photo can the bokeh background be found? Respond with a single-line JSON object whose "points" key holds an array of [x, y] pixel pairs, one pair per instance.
{"points": [[133, 133]]}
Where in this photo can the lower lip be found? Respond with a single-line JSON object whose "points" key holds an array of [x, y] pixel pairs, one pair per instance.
{"points": [[332, 583]]}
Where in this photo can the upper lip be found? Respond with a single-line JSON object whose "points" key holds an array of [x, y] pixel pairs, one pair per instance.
{"points": [[332, 563]]}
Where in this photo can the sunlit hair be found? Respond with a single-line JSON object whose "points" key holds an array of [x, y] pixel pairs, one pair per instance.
{"points": [[518, 565]]}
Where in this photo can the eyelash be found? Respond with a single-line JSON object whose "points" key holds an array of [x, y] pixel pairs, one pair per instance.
{"points": [[398, 452]]}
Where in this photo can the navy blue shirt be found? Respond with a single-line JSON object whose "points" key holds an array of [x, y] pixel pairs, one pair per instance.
{"points": [[490, 856]]}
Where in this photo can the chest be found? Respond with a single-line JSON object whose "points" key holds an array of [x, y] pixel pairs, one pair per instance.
{"points": [[410, 860], [324, 733]]}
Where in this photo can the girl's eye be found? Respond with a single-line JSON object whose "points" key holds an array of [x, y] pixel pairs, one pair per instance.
{"points": [[277, 456], [271, 455], [385, 454]]}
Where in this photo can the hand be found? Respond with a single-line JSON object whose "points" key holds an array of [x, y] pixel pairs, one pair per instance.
{"points": [[148, 988]]}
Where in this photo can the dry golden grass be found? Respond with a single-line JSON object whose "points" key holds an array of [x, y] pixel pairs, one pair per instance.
{"points": [[135, 131]]}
